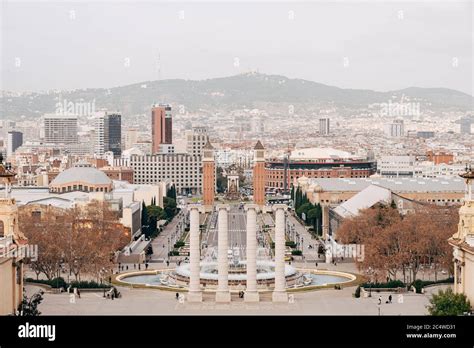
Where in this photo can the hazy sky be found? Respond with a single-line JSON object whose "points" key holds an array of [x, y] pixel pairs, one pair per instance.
{"points": [[350, 44]]}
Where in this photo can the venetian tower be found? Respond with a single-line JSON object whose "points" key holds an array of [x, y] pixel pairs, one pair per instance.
{"points": [[463, 243], [208, 176], [12, 245], [259, 175]]}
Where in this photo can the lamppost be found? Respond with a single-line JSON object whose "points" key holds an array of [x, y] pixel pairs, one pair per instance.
{"points": [[169, 251]]}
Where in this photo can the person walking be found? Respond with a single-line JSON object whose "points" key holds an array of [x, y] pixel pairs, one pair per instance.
{"points": [[177, 296], [390, 299], [380, 300]]}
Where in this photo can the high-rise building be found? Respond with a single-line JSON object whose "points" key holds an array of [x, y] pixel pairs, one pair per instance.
{"points": [[131, 137], [395, 129], [161, 126], [324, 126], [108, 130], [195, 140], [209, 175], [465, 123], [259, 174], [14, 141], [60, 129]]}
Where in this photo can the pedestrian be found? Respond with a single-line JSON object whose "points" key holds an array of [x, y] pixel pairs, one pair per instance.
{"points": [[177, 296], [139, 267], [390, 299], [127, 267], [380, 300], [134, 266], [316, 264], [78, 293], [167, 263]]}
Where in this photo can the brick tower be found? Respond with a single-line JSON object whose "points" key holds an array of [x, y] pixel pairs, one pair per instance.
{"points": [[208, 176], [259, 174]]}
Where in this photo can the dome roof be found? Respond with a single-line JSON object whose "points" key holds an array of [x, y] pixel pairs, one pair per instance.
{"points": [[85, 174]]}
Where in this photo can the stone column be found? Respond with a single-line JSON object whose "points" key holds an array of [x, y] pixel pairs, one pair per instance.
{"points": [[223, 292], [251, 293], [194, 293], [279, 293]]}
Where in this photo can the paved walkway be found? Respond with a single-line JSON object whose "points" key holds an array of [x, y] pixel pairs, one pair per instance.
{"points": [[144, 301], [160, 243]]}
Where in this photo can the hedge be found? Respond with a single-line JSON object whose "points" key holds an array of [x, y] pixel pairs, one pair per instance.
{"points": [[420, 284], [55, 283], [179, 244], [389, 285], [59, 282]]}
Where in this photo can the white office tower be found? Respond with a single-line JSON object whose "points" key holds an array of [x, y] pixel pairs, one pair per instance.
{"points": [[108, 133], [324, 126], [195, 140], [395, 129], [60, 129]]}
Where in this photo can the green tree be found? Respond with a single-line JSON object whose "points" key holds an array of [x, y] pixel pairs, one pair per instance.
{"points": [[448, 303], [29, 306], [169, 208], [221, 181], [145, 219], [304, 208], [314, 217], [155, 213]]}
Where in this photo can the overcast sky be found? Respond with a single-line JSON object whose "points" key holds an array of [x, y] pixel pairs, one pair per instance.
{"points": [[349, 44]]}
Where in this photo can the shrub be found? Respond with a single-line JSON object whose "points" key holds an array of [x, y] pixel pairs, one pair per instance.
{"points": [[179, 244], [173, 253], [84, 284], [420, 284], [357, 292], [449, 303], [390, 285], [55, 283]]}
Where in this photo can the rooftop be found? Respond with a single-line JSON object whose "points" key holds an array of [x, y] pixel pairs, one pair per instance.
{"points": [[393, 184], [85, 174]]}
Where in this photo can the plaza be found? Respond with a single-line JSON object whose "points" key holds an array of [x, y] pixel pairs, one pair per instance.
{"points": [[153, 302]]}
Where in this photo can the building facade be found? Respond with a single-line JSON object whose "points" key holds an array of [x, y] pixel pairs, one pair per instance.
{"points": [[463, 244], [161, 126], [108, 130], [184, 170], [60, 129], [324, 126], [14, 141]]}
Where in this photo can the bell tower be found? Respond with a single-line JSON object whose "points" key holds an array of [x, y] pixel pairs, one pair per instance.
{"points": [[208, 176], [259, 174]]}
